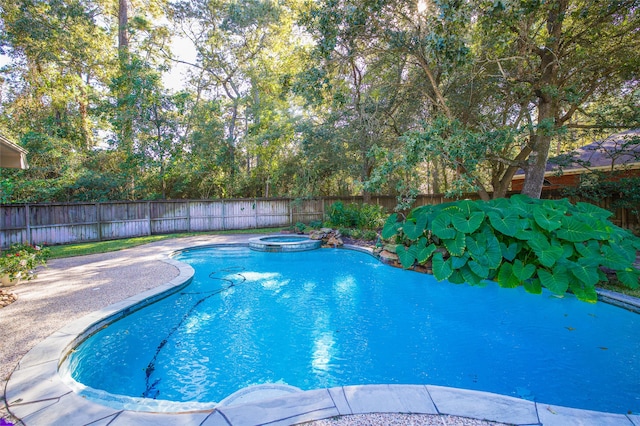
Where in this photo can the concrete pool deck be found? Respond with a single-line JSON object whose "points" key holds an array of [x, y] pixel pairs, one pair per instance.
{"points": [[76, 294]]}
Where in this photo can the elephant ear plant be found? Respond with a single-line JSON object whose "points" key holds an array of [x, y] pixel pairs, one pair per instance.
{"points": [[517, 241]]}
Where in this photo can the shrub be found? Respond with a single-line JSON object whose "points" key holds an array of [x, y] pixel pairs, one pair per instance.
{"points": [[372, 216], [343, 216], [315, 224], [365, 216], [518, 241], [370, 235], [19, 261]]}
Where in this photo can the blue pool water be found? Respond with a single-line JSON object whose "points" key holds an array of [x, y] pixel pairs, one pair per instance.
{"points": [[332, 317]]}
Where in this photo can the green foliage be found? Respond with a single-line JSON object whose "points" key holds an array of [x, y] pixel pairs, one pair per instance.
{"points": [[597, 186], [365, 216], [19, 261], [518, 241]]}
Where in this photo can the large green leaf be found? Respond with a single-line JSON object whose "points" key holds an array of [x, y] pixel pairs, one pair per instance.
{"points": [[629, 277], [414, 228], [509, 224], [467, 207], [506, 278], [522, 271], [602, 229], [442, 227], [547, 254], [628, 247], [458, 262], [476, 244], [493, 253], [499, 203], [441, 269], [391, 226], [457, 245], [521, 205], [574, 230], [467, 223], [613, 257], [424, 253], [457, 277], [561, 206], [481, 270], [533, 286], [557, 282], [593, 210], [583, 292], [407, 255], [567, 250], [509, 252], [470, 276], [589, 250], [548, 219], [526, 234], [585, 273]]}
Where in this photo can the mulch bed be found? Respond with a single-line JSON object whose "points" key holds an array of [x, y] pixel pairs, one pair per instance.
{"points": [[6, 298]]}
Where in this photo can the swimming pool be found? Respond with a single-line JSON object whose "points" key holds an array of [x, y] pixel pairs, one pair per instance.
{"points": [[335, 317]]}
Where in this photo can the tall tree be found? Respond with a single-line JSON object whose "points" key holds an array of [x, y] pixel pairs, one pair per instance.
{"points": [[558, 56], [241, 50]]}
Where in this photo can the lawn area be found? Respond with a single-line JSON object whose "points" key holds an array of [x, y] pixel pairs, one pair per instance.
{"points": [[70, 250]]}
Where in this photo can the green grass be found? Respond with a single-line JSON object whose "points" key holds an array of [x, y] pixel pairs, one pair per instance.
{"points": [[70, 250]]}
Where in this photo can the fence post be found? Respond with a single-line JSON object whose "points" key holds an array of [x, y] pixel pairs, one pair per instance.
{"points": [[27, 221], [255, 207], [290, 212], [99, 220], [188, 215], [224, 227], [149, 216]]}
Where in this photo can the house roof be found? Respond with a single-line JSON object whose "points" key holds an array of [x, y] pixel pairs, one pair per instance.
{"points": [[620, 149], [616, 150], [11, 155]]}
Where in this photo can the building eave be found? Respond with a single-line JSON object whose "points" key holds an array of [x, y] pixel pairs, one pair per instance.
{"points": [[582, 170], [11, 155]]}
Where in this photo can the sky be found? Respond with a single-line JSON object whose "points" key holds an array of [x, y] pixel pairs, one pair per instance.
{"points": [[183, 49], [174, 80]]}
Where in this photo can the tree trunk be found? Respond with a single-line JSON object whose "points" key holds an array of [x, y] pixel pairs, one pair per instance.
{"points": [[536, 166], [123, 23], [547, 103], [85, 123]]}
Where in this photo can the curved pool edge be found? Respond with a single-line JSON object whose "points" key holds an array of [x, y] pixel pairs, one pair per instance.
{"points": [[270, 243], [37, 394]]}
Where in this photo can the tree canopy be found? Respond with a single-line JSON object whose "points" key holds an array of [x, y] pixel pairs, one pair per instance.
{"points": [[304, 98]]}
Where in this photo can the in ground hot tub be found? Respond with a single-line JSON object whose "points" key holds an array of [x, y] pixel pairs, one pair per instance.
{"points": [[284, 243]]}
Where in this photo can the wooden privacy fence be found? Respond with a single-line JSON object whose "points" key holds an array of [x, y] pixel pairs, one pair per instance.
{"points": [[85, 222]]}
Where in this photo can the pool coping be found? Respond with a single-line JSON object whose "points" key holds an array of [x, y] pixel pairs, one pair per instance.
{"points": [[37, 394]]}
